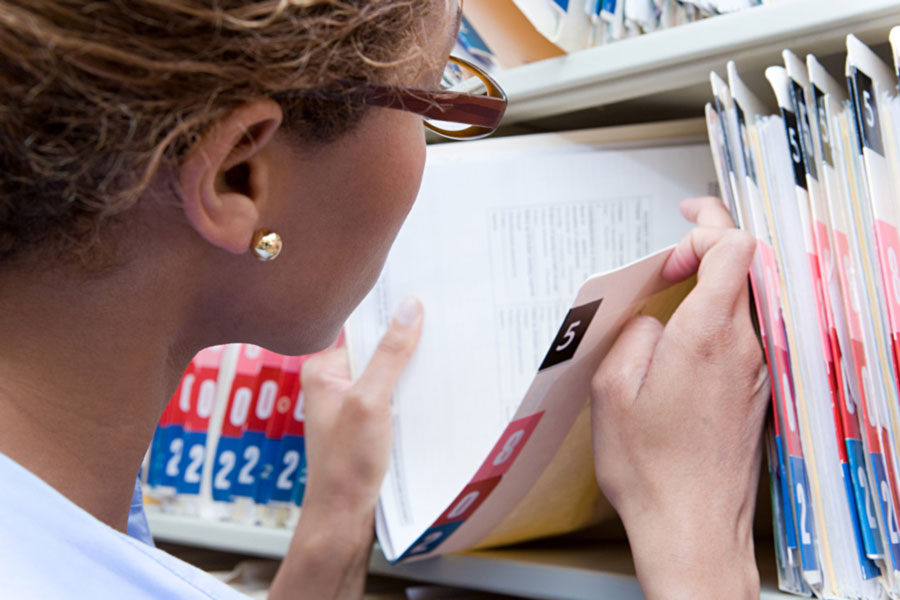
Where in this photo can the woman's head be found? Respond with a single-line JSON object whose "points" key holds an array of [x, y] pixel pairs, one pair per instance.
{"points": [[96, 96], [149, 122]]}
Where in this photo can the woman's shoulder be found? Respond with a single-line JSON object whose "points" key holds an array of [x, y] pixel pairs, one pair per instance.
{"points": [[51, 548]]}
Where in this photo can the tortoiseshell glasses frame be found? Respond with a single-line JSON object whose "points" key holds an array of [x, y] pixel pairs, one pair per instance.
{"points": [[480, 112]]}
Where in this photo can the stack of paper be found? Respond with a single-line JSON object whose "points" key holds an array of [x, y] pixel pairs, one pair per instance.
{"points": [[816, 182]]}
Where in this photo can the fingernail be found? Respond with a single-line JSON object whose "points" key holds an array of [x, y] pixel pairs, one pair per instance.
{"points": [[408, 311]]}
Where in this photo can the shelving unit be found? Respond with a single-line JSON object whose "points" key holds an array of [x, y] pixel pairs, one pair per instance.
{"points": [[571, 570], [271, 542], [665, 74]]}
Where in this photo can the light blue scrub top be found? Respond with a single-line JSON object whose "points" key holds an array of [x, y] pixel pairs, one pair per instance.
{"points": [[51, 548], [138, 528]]}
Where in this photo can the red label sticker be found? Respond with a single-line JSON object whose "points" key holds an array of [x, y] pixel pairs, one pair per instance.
{"points": [[468, 501], [508, 447]]}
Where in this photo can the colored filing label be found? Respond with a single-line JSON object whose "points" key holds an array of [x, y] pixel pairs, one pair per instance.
{"points": [[795, 146], [805, 530], [866, 107], [784, 487], [883, 493], [865, 503], [570, 334], [431, 539]]}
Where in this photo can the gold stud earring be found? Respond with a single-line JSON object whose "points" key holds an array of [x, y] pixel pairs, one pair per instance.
{"points": [[266, 244]]}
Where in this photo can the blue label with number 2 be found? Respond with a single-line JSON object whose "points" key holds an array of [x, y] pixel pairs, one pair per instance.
{"points": [[246, 470], [867, 567], [803, 513], [431, 539], [191, 465], [223, 468], [885, 503]]}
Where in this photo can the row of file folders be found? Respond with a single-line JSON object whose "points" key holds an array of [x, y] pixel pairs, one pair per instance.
{"points": [[230, 443], [817, 183], [501, 34]]}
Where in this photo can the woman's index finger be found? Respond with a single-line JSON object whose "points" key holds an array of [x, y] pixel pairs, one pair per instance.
{"points": [[706, 211]]}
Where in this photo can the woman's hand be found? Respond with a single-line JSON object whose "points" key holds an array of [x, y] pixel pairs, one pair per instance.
{"points": [[348, 445], [678, 415], [349, 424]]}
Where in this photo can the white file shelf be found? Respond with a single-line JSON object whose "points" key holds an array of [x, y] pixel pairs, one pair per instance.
{"points": [[271, 542], [671, 67], [574, 571]]}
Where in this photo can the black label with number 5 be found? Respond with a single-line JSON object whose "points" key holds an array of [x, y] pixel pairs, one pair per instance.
{"points": [[745, 143], [800, 108], [866, 111], [824, 127], [570, 334], [795, 146]]}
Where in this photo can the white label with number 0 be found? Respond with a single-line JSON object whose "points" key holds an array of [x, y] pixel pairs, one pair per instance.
{"points": [[266, 401], [240, 407], [206, 399], [184, 400]]}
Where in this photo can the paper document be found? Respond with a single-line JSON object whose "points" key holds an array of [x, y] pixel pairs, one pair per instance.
{"points": [[497, 246]]}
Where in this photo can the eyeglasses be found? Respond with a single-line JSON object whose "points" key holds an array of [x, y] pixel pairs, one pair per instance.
{"points": [[469, 105]]}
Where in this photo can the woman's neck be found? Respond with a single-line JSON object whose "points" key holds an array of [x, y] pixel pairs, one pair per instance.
{"points": [[86, 369]]}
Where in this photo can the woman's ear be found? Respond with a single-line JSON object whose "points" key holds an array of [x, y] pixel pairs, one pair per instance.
{"points": [[224, 177]]}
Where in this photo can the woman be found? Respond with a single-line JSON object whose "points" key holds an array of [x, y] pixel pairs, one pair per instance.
{"points": [[147, 147]]}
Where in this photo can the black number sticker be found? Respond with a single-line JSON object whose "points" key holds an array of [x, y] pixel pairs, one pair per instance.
{"points": [[745, 143], [866, 111], [794, 145], [570, 334], [824, 129], [803, 122]]}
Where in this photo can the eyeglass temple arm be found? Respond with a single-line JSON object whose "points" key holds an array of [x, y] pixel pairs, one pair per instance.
{"points": [[483, 111]]}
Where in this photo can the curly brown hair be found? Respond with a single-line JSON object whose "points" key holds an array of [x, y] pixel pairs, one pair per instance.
{"points": [[96, 96]]}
